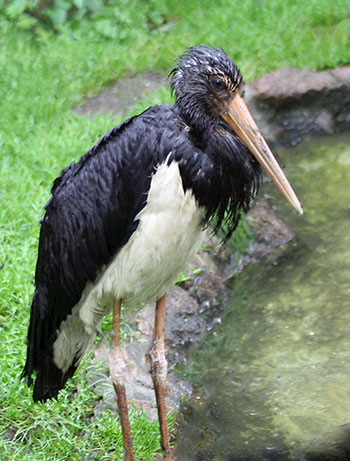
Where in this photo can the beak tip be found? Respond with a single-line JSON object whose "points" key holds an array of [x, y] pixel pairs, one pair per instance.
{"points": [[299, 209]]}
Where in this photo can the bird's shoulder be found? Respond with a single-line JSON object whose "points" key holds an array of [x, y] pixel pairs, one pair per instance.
{"points": [[136, 140]]}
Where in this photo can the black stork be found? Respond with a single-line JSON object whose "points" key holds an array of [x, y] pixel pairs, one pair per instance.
{"points": [[127, 218]]}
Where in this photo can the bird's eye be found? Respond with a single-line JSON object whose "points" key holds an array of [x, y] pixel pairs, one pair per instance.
{"points": [[218, 83]]}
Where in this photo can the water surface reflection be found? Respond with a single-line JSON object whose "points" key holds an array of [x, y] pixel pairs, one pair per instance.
{"points": [[272, 381]]}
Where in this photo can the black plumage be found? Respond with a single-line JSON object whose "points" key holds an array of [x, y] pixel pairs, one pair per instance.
{"points": [[91, 214]]}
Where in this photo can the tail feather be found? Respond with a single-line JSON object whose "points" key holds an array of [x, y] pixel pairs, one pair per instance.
{"points": [[50, 379]]}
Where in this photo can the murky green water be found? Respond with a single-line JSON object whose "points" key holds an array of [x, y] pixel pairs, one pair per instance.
{"points": [[272, 381]]}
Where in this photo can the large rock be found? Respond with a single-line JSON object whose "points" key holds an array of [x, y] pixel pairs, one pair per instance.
{"points": [[290, 103]]}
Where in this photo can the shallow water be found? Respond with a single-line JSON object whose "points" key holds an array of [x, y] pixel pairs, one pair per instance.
{"points": [[272, 381]]}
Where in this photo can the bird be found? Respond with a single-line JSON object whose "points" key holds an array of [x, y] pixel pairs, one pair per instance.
{"points": [[128, 217]]}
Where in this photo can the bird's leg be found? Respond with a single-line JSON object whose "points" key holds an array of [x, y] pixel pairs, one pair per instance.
{"points": [[159, 371], [118, 371]]}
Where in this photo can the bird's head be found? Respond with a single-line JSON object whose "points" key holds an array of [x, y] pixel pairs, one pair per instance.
{"points": [[207, 84], [204, 81]]}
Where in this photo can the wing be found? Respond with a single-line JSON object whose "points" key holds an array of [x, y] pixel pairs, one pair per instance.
{"points": [[90, 215]]}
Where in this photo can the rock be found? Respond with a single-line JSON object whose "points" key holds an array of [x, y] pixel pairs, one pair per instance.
{"points": [[270, 233], [290, 103], [190, 313], [139, 388], [292, 84], [271, 238]]}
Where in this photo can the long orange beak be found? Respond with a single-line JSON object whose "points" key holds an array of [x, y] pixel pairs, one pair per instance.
{"points": [[240, 120]]}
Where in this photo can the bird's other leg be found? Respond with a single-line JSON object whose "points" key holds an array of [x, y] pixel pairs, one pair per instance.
{"points": [[118, 371], [159, 371]]}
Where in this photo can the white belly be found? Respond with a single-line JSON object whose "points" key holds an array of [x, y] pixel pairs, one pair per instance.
{"points": [[166, 240]]}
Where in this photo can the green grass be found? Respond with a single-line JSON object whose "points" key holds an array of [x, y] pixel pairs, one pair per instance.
{"points": [[42, 75]]}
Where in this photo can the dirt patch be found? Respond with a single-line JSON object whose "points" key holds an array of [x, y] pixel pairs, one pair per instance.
{"points": [[121, 96]]}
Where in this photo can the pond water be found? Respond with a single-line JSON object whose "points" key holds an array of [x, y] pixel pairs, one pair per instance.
{"points": [[272, 381]]}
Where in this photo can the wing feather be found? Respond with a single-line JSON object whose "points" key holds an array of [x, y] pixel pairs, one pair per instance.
{"points": [[89, 216]]}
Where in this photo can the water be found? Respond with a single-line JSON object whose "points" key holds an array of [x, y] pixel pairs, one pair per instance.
{"points": [[272, 381]]}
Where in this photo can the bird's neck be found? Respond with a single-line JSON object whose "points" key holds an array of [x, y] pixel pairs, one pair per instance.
{"points": [[197, 116], [219, 170]]}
